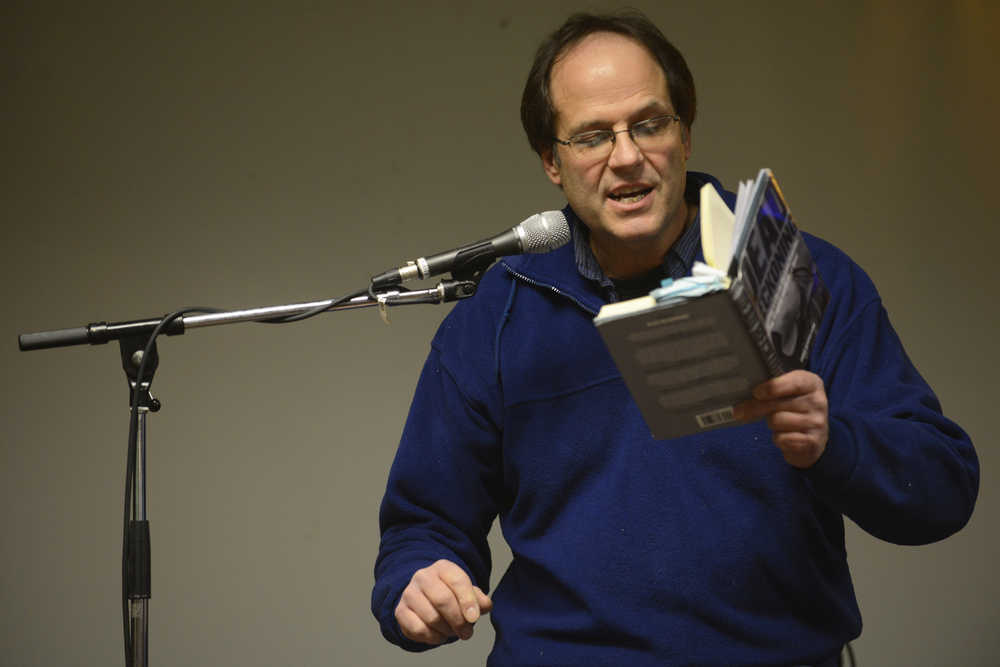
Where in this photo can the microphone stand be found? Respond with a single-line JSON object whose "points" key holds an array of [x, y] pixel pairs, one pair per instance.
{"points": [[97, 333], [136, 551], [134, 338]]}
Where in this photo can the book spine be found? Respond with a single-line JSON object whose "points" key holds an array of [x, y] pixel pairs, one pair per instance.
{"points": [[755, 327]]}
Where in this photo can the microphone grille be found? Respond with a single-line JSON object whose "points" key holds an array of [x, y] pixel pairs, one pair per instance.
{"points": [[544, 231]]}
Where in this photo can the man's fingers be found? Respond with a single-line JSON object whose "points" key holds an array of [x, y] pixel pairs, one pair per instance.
{"points": [[754, 409], [799, 449], [793, 383], [442, 597], [424, 608], [485, 603], [795, 420], [750, 411], [461, 586], [414, 628]]}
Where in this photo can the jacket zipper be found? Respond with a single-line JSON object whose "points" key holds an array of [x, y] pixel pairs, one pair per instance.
{"points": [[531, 281]]}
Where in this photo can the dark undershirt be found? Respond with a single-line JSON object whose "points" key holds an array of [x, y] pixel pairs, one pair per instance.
{"points": [[641, 285]]}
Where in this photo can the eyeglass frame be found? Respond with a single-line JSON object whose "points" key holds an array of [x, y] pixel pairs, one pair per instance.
{"points": [[613, 134]]}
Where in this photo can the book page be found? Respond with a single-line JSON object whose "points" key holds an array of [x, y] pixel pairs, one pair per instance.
{"points": [[741, 213], [716, 228], [621, 308]]}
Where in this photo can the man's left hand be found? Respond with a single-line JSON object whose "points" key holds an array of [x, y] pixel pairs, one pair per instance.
{"points": [[796, 410]]}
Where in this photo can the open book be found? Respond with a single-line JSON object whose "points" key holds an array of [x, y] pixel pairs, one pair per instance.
{"points": [[695, 347]]}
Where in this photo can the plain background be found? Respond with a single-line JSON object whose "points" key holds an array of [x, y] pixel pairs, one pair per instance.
{"points": [[247, 154]]}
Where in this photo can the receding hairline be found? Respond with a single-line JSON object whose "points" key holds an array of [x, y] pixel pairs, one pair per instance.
{"points": [[666, 106]]}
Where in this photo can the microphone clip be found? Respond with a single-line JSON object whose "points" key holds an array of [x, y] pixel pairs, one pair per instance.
{"points": [[453, 290], [444, 292]]}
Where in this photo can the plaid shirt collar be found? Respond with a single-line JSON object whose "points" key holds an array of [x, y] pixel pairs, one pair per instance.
{"points": [[676, 264]]}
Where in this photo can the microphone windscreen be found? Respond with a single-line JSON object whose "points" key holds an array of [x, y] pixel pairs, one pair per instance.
{"points": [[544, 231]]}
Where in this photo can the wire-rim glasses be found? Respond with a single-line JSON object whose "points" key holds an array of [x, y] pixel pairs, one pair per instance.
{"points": [[649, 134]]}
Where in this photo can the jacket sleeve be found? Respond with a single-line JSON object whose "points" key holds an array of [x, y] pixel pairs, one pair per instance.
{"points": [[894, 463], [445, 484]]}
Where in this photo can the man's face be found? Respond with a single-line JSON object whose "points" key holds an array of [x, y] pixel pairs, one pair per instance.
{"points": [[608, 81]]}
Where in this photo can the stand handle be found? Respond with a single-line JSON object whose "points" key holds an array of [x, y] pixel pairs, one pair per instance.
{"points": [[58, 338], [96, 333]]}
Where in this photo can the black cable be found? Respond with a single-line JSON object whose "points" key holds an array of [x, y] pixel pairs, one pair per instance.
{"points": [[325, 306], [133, 432], [373, 295]]}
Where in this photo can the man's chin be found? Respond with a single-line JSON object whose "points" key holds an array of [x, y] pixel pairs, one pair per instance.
{"points": [[636, 228]]}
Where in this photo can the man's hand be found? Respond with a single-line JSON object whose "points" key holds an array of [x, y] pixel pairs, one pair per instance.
{"points": [[440, 602], [796, 410]]}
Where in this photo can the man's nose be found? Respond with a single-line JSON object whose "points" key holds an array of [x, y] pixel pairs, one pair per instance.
{"points": [[624, 151]]}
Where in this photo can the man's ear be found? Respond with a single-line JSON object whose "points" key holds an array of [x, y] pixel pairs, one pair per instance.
{"points": [[686, 136], [552, 167]]}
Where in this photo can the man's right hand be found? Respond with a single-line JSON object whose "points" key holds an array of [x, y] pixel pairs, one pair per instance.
{"points": [[440, 602]]}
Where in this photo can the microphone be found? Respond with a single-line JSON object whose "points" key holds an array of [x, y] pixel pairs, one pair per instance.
{"points": [[541, 232]]}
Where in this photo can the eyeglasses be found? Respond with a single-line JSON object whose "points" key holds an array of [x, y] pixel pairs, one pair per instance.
{"points": [[649, 134]]}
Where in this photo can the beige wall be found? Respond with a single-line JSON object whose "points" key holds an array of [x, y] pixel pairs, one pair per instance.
{"points": [[242, 155]]}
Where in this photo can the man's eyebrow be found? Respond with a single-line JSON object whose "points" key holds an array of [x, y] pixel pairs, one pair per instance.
{"points": [[643, 113]]}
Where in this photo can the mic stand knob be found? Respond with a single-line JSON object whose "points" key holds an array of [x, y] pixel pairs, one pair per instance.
{"points": [[453, 290]]}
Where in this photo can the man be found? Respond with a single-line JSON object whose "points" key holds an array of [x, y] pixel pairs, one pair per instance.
{"points": [[723, 548]]}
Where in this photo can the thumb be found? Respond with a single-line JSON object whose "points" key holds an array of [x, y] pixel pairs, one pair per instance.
{"points": [[485, 603]]}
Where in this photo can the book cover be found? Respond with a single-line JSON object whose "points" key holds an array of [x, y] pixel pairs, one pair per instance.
{"points": [[690, 351]]}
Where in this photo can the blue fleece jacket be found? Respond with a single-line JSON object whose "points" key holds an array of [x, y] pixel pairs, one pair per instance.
{"points": [[704, 550]]}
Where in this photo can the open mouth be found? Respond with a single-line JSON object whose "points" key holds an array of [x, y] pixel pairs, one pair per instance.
{"points": [[630, 196]]}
